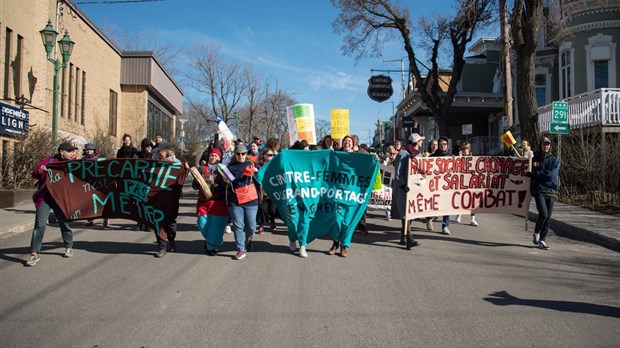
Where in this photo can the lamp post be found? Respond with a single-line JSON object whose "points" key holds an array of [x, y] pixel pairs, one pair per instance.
{"points": [[48, 35]]}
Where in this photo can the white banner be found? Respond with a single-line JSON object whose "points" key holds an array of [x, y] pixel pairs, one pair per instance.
{"points": [[464, 184]]}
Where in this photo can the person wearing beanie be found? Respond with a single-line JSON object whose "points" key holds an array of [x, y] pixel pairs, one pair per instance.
{"points": [[146, 149], [544, 186], [242, 200], [44, 203], [212, 212]]}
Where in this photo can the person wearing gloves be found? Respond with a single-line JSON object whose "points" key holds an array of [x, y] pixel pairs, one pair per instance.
{"points": [[242, 200], [544, 187]]}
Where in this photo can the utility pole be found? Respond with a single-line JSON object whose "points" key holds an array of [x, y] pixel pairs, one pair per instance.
{"points": [[507, 75]]}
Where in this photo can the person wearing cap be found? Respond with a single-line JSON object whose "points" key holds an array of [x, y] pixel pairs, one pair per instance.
{"points": [[44, 203], [544, 187], [212, 213], [400, 188]]}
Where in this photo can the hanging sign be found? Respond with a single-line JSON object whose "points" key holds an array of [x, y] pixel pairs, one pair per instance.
{"points": [[380, 88]]}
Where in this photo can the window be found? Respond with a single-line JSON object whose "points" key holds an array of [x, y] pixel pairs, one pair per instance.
{"points": [[69, 92], [83, 97], [158, 120], [77, 95], [566, 88], [601, 74], [17, 77], [113, 112], [7, 62], [601, 62], [541, 89]]}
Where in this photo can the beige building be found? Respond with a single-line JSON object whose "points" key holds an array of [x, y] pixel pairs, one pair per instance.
{"points": [[102, 90]]}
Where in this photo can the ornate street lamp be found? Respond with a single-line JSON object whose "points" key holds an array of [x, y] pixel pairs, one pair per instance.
{"points": [[48, 35]]}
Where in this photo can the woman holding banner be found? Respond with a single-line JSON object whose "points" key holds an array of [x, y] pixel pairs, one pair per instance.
{"points": [[211, 212], [242, 200]]}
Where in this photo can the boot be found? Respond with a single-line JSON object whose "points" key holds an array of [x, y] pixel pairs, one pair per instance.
{"points": [[411, 242], [402, 233], [334, 248], [173, 246], [161, 253]]}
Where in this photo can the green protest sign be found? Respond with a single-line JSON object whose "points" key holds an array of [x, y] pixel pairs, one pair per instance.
{"points": [[320, 192]]}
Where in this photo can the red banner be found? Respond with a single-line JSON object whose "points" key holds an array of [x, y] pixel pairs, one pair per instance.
{"points": [[146, 191]]}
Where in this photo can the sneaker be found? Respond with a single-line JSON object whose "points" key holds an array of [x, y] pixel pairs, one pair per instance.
{"points": [[543, 245], [173, 246], [344, 251], [68, 252], [273, 226], [474, 223], [240, 255], [429, 225], [303, 252], [160, 253], [260, 230], [34, 258], [445, 230], [292, 246], [458, 219], [227, 229], [536, 239]]}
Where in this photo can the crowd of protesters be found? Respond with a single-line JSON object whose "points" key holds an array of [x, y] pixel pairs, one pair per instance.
{"points": [[236, 203]]}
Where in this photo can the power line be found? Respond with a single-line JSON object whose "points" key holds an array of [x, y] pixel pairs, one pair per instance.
{"points": [[112, 2]]}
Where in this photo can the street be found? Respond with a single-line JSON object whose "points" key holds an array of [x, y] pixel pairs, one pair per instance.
{"points": [[480, 286]]}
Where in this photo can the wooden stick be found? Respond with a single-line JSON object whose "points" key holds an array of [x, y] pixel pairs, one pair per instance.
{"points": [[204, 187]]}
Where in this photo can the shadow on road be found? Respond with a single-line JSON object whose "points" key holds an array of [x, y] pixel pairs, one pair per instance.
{"points": [[503, 298]]}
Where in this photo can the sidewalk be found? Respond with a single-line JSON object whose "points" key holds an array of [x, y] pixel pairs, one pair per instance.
{"points": [[567, 221]]}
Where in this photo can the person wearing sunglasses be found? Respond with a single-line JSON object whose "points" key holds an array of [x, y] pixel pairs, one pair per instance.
{"points": [[242, 199], [44, 203]]}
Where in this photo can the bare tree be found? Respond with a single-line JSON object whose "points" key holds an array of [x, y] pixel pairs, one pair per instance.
{"points": [[274, 122], [525, 22], [255, 95], [364, 24], [323, 128], [167, 54], [219, 82]]}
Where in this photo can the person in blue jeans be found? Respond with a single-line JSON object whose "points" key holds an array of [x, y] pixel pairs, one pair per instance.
{"points": [[544, 188], [242, 200], [44, 203]]}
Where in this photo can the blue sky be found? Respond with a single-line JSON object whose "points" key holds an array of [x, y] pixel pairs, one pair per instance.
{"points": [[291, 41]]}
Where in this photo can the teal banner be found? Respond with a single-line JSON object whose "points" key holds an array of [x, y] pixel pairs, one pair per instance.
{"points": [[319, 192]]}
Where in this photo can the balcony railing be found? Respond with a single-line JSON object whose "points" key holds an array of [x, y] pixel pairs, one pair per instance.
{"points": [[597, 108]]}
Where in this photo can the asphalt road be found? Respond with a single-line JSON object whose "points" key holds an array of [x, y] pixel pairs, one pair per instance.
{"points": [[479, 287]]}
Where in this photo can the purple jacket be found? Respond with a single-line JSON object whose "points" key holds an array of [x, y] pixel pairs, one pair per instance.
{"points": [[39, 196]]}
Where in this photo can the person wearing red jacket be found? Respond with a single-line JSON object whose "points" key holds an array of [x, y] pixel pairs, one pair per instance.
{"points": [[44, 203]]}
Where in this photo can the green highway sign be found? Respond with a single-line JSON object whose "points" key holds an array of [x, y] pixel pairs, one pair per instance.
{"points": [[559, 128], [560, 112]]}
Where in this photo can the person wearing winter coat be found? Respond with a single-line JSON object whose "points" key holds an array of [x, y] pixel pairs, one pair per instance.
{"points": [[166, 153], [212, 213], [127, 150], [544, 187], [90, 152], [44, 203]]}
